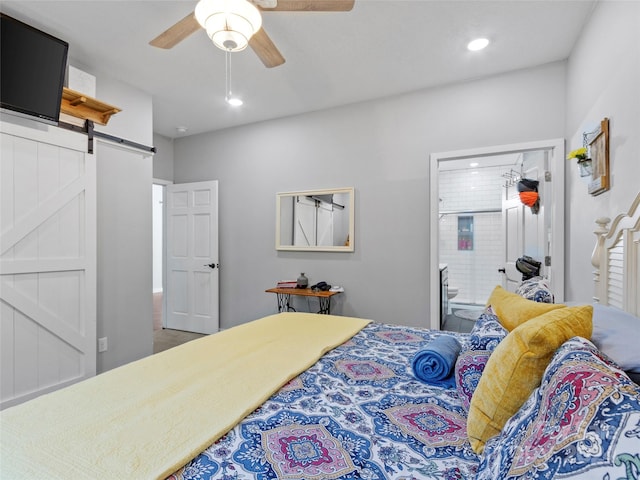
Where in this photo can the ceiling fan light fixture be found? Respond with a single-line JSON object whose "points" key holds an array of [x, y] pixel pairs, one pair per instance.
{"points": [[229, 97], [229, 23]]}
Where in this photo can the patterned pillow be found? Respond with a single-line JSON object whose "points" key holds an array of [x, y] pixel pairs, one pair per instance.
{"points": [[516, 367], [485, 337], [583, 421], [536, 289]]}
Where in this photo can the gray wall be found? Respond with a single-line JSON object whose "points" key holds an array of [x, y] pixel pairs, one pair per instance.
{"points": [[135, 121], [163, 159], [382, 149], [125, 309], [603, 80], [124, 283]]}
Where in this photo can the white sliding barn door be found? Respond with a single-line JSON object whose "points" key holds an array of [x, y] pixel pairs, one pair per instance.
{"points": [[192, 257], [313, 222], [47, 261], [304, 230]]}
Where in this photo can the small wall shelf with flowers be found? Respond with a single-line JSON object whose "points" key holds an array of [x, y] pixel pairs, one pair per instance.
{"points": [[593, 158]]}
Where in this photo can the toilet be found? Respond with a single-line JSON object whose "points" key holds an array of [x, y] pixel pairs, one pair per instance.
{"points": [[452, 292]]}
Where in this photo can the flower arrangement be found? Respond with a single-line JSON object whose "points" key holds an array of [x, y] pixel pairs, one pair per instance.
{"points": [[584, 162], [579, 154]]}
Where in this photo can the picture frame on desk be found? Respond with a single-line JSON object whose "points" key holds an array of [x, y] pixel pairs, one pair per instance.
{"points": [[599, 153]]}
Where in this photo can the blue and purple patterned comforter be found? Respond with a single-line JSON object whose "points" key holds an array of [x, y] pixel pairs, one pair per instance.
{"points": [[357, 413]]}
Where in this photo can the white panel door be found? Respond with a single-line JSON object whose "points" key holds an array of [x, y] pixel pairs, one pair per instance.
{"points": [[526, 233], [47, 261], [192, 257], [513, 227]]}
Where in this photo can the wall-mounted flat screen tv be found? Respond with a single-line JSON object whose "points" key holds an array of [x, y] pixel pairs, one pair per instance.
{"points": [[32, 66]]}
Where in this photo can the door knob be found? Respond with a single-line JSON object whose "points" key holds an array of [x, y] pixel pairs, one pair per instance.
{"points": [[502, 270], [211, 265]]}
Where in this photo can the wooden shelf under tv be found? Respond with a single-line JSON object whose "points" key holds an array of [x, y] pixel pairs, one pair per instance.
{"points": [[82, 106]]}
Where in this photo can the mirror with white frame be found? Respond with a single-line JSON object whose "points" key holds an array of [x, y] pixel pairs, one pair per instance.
{"points": [[315, 220]]}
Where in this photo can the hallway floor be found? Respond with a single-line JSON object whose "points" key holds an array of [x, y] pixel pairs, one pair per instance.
{"points": [[165, 338]]}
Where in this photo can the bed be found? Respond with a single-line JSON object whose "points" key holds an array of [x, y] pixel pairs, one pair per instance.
{"points": [[350, 404], [357, 413]]}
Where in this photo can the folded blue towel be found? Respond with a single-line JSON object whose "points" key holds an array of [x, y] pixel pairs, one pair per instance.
{"points": [[435, 363]]}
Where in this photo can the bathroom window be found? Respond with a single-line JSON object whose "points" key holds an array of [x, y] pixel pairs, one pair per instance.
{"points": [[465, 232]]}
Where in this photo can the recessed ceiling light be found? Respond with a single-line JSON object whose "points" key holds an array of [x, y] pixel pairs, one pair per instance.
{"points": [[181, 129], [477, 44], [474, 164], [234, 101]]}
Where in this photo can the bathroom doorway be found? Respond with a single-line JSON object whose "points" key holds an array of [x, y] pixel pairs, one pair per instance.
{"points": [[469, 188], [471, 242]]}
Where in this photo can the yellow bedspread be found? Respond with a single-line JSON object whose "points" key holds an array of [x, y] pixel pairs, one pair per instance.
{"points": [[148, 418]]}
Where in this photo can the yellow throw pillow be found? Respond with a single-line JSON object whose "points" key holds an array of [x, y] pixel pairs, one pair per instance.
{"points": [[516, 366], [513, 310]]}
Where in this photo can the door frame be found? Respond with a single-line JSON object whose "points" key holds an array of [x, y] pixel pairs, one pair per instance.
{"points": [[214, 258], [164, 184], [556, 168]]}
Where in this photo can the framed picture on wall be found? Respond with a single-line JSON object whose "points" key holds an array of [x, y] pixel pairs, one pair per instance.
{"points": [[599, 153]]}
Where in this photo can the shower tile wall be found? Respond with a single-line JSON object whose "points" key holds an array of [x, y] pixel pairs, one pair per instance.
{"points": [[473, 272]]}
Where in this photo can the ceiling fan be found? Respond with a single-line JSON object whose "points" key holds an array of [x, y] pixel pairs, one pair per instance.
{"points": [[234, 24]]}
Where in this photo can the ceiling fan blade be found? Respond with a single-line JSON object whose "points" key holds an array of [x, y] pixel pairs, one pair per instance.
{"points": [[176, 33], [312, 6], [266, 49]]}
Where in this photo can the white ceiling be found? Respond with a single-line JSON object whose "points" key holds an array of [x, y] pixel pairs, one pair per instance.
{"points": [[380, 48]]}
